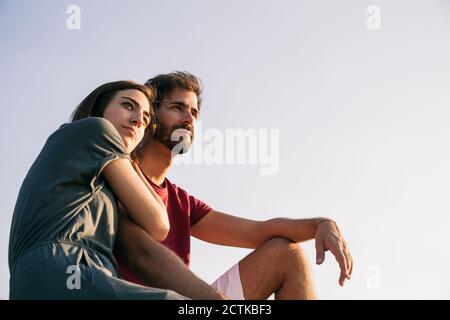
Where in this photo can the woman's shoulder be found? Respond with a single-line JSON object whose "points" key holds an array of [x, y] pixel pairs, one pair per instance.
{"points": [[89, 130], [91, 123], [92, 126]]}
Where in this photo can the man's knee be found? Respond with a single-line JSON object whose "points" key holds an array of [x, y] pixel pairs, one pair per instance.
{"points": [[285, 251]]}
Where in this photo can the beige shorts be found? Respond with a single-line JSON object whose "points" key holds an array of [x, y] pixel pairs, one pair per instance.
{"points": [[230, 284]]}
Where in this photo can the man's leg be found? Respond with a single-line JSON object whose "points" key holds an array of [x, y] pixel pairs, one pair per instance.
{"points": [[277, 266], [156, 265]]}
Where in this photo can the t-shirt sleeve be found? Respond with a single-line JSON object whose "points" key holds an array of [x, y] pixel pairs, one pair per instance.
{"points": [[199, 209]]}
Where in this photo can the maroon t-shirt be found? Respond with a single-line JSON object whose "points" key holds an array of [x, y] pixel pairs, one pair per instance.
{"points": [[184, 211]]}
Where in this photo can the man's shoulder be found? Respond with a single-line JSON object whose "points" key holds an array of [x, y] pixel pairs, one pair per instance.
{"points": [[172, 187], [198, 208], [180, 192]]}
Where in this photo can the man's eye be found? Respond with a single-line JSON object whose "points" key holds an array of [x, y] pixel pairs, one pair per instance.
{"points": [[177, 107]]}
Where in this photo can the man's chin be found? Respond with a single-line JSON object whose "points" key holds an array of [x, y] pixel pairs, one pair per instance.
{"points": [[180, 148]]}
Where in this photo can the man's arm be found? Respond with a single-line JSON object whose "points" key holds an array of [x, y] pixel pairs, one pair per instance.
{"points": [[224, 229], [156, 265]]}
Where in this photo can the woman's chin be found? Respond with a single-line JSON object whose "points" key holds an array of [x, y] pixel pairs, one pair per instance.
{"points": [[131, 148], [130, 144]]}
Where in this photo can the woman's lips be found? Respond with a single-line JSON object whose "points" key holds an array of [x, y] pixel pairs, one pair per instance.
{"points": [[130, 131]]}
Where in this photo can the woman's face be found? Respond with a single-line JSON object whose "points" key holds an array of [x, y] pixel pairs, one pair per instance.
{"points": [[128, 111]]}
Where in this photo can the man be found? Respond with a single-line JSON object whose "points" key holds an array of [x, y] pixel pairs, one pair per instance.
{"points": [[277, 265]]}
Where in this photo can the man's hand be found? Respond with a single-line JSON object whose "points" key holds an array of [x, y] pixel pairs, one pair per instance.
{"points": [[328, 237]]}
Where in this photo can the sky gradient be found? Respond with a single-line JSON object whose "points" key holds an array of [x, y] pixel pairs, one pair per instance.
{"points": [[362, 117]]}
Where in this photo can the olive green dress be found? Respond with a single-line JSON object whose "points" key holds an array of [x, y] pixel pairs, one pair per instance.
{"points": [[66, 218]]}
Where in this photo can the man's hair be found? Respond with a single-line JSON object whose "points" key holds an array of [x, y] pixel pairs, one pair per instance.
{"points": [[165, 84]]}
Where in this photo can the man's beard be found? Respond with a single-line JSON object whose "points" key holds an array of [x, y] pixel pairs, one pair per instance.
{"points": [[173, 138]]}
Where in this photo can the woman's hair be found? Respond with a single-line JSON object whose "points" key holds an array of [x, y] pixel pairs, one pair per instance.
{"points": [[95, 103]]}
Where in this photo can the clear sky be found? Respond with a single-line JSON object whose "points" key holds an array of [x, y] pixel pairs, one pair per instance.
{"points": [[362, 116]]}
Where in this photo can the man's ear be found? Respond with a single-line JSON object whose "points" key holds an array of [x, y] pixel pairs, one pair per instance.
{"points": [[155, 128]]}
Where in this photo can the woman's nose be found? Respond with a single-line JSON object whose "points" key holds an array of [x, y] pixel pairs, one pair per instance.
{"points": [[138, 120]]}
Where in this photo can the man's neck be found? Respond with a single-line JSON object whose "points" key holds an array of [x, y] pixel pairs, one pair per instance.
{"points": [[155, 161]]}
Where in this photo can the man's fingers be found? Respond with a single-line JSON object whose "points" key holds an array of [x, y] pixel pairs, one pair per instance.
{"points": [[351, 264], [340, 258], [320, 252], [342, 278], [348, 262]]}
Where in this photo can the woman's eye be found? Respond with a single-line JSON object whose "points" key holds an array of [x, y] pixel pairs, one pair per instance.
{"points": [[128, 105]]}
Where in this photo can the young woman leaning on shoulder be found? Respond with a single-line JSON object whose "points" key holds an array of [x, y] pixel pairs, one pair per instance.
{"points": [[66, 216]]}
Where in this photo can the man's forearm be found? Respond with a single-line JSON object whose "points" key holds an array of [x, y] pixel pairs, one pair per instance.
{"points": [[159, 267], [296, 230]]}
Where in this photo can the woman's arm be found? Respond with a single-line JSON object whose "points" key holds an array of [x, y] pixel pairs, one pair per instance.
{"points": [[139, 199]]}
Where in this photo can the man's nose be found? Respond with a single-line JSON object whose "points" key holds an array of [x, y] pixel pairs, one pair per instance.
{"points": [[189, 117]]}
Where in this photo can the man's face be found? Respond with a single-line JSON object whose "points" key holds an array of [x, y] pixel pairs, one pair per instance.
{"points": [[177, 116]]}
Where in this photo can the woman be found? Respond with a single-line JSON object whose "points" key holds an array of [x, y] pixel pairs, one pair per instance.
{"points": [[66, 215]]}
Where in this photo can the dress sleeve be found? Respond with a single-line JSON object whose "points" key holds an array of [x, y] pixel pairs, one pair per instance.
{"points": [[103, 142], [91, 143]]}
